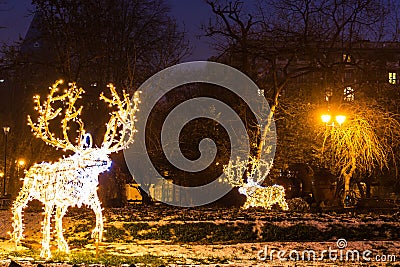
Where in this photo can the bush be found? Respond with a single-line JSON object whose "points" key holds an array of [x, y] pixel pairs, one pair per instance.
{"points": [[298, 204]]}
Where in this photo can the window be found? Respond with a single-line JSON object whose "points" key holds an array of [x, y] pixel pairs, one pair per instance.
{"points": [[346, 58], [349, 93], [281, 61], [328, 94], [392, 77], [347, 75]]}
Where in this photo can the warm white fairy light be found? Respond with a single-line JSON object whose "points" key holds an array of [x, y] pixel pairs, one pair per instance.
{"points": [[266, 197], [256, 195], [73, 180]]}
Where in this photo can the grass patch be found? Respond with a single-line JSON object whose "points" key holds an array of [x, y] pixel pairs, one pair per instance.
{"points": [[134, 229], [31, 253], [199, 232], [78, 242], [114, 234], [114, 260]]}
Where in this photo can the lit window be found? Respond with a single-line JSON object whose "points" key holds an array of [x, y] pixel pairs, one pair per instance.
{"points": [[328, 94], [392, 77], [348, 94], [346, 58]]}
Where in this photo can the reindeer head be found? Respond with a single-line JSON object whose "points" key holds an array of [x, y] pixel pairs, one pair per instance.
{"points": [[91, 157], [119, 133], [249, 188]]}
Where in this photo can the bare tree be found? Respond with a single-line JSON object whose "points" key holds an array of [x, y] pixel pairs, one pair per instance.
{"points": [[269, 45], [92, 42], [123, 41], [232, 31]]}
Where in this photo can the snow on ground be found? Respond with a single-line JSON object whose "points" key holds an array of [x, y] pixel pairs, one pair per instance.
{"points": [[245, 254], [239, 254]]}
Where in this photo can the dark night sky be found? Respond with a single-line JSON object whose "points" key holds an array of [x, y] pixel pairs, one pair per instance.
{"points": [[14, 15]]}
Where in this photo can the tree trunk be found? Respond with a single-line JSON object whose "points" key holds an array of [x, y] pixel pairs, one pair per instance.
{"points": [[146, 198], [346, 188], [347, 178], [271, 114], [368, 189], [361, 189]]}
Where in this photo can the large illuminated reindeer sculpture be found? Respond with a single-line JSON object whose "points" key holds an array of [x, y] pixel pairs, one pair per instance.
{"points": [[256, 195], [73, 180]]}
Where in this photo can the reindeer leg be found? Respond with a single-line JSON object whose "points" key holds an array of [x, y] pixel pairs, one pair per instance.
{"points": [[17, 208], [283, 204], [61, 243], [95, 204], [45, 252], [246, 205], [282, 200]]}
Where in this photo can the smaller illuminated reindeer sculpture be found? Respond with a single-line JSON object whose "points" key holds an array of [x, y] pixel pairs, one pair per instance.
{"points": [[256, 195], [73, 180]]}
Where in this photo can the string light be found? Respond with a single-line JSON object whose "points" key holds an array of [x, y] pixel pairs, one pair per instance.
{"points": [[266, 197], [256, 195], [73, 180]]}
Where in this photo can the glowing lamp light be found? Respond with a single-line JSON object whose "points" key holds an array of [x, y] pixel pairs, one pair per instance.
{"points": [[340, 119], [21, 162], [326, 118]]}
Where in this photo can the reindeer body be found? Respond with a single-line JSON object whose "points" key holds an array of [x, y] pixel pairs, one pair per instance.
{"points": [[43, 179], [259, 196], [73, 180], [256, 195]]}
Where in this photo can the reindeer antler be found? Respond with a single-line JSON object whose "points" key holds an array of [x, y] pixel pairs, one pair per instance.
{"points": [[257, 171], [123, 117], [234, 172], [47, 113]]}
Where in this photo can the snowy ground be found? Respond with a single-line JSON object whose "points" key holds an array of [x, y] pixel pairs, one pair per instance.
{"points": [[157, 251]]}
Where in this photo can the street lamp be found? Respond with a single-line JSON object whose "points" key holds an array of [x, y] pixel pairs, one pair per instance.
{"points": [[6, 131], [326, 118], [340, 119], [20, 164]]}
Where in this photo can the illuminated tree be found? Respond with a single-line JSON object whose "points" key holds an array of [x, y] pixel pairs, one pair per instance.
{"points": [[362, 143]]}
